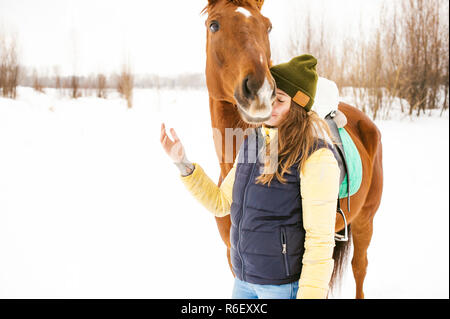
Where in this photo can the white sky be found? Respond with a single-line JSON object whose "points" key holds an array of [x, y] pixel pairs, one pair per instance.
{"points": [[162, 37]]}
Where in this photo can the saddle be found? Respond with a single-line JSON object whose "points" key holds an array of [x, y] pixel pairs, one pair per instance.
{"points": [[332, 119]]}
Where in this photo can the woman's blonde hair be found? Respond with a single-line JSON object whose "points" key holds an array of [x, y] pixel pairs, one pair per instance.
{"points": [[298, 137]]}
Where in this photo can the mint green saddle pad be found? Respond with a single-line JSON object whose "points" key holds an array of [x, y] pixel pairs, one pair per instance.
{"points": [[353, 163]]}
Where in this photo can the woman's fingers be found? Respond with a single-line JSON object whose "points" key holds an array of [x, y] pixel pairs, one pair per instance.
{"points": [[163, 132], [173, 148], [164, 142], [172, 132], [174, 135]]}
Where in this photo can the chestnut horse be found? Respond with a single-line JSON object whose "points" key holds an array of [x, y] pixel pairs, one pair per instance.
{"points": [[241, 90]]}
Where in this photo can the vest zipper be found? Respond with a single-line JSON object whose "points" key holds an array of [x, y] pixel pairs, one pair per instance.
{"points": [[284, 250]]}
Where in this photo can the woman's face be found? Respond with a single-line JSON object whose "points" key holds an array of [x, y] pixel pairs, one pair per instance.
{"points": [[280, 110]]}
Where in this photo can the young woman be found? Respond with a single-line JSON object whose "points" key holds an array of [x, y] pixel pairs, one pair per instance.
{"points": [[283, 221]]}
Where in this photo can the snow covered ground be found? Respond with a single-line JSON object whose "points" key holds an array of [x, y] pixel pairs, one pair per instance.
{"points": [[91, 206]]}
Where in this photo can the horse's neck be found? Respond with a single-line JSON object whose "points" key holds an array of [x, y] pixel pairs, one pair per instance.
{"points": [[224, 115]]}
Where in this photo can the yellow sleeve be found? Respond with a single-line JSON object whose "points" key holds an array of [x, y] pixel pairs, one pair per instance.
{"points": [[215, 199], [319, 190]]}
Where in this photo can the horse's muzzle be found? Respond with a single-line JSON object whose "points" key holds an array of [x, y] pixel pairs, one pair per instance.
{"points": [[255, 101]]}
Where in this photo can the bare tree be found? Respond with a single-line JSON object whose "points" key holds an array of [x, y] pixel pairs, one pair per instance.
{"points": [[393, 63], [9, 67], [445, 62], [74, 83], [125, 84], [422, 53], [58, 79], [101, 86], [75, 86], [37, 85], [3, 63]]}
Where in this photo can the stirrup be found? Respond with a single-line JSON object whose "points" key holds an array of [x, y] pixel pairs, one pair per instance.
{"points": [[339, 237]]}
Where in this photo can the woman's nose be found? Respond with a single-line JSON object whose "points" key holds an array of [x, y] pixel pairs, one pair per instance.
{"points": [[275, 104]]}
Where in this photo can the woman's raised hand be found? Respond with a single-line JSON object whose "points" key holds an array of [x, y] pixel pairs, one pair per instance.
{"points": [[174, 148]]}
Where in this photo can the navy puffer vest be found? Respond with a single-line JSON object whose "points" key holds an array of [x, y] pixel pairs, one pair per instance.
{"points": [[267, 234]]}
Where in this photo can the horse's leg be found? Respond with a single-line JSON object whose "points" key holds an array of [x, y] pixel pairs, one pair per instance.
{"points": [[224, 225], [362, 226], [361, 234]]}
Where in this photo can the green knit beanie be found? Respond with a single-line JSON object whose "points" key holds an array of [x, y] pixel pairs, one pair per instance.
{"points": [[298, 78]]}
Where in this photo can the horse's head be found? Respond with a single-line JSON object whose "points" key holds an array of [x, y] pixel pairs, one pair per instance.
{"points": [[238, 57]]}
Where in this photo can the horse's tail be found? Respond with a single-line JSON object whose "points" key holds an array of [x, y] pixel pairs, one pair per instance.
{"points": [[340, 256]]}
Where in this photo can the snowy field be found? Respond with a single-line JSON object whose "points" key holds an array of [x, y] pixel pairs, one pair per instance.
{"points": [[91, 206]]}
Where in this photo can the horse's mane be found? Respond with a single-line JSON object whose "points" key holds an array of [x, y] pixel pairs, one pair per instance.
{"points": [[239, 3]]}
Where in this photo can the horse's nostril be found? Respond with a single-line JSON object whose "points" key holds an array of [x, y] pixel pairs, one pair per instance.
{"points": [[246, 88]]}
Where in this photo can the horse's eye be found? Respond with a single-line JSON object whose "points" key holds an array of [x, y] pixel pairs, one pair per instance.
{"points": [[214, 26]]}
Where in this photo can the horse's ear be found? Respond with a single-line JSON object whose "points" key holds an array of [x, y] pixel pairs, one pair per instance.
{"points": [[259, 3]]}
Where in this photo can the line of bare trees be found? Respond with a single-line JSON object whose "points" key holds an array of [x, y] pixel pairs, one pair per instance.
{"points": [[102, 84], [406, 58], [72, 86], [12, 75]]}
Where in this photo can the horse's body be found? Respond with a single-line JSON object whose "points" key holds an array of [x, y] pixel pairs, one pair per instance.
{"points": [[241, 89]]}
